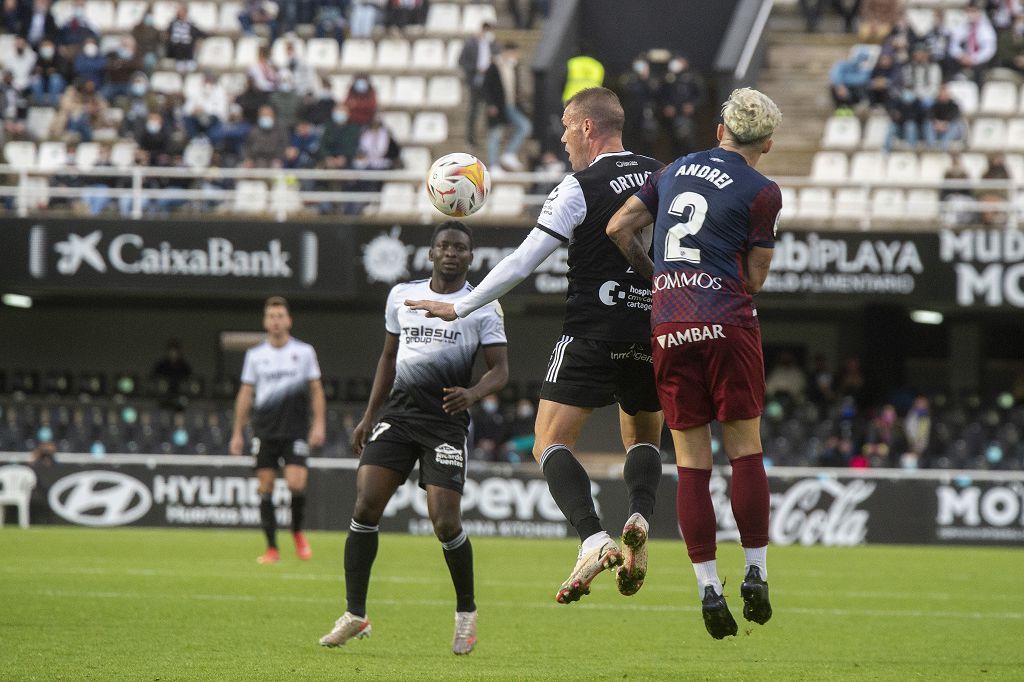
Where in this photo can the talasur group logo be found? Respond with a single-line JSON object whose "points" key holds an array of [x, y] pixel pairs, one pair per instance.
{"points": [[100, 498]]}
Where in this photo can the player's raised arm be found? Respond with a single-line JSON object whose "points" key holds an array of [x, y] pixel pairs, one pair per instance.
{"points": [[383, 380], [458, 399], [508, 273], [624, 229]]}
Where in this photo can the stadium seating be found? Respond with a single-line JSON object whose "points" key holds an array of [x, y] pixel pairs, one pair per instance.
{"points": [[16, 484]]}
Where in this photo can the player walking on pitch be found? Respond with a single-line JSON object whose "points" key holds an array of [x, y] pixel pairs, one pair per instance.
{"points": [[422, 392], [714, 231], [280, 386], [604, 354]]}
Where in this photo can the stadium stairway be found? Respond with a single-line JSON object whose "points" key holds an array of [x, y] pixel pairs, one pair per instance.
{"points": [[796, 77]]}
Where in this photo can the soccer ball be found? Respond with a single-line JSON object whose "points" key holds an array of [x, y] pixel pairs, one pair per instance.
{"points": [[458, 184]]}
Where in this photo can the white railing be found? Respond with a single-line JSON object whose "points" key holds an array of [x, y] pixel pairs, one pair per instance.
{"points": [[32, 189]]}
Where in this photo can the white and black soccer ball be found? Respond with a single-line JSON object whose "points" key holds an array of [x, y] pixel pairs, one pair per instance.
{"points": [[458, 184]]}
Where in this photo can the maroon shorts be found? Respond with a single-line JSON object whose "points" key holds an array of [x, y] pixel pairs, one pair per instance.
{"points": [[707, 372]]}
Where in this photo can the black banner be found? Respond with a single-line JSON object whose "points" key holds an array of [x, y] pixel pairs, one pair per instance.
{"points": [[809, 507], [968, 268]]}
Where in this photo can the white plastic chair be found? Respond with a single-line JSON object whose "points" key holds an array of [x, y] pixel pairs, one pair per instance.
{"points": [[998, 97], [409, 91], [357, 54], [16, 484], [815, 202], [20, 154], [875, 130], [429, 127], [444, 91], [428, 54], [129, 14], [988, 135], [474, 16], [415, 159], [829, 166], [966, 95], [101, 13], [1015, 135], [841, 132], [52, 156], [902, 166], [322, 53], [393, 54], [205, 15], [851, 203], [867, 167], [216, 52], [399, 123], [443, 18], [397, 198]]}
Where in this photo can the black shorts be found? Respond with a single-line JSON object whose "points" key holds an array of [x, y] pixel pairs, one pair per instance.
{"points": [[588, 373], [440, 449], [270, 453]]}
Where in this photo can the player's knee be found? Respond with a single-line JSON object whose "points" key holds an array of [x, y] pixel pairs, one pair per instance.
{"points": [[367, 511], [447, 527]]}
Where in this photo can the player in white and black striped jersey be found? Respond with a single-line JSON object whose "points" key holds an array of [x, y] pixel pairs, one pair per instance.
{"points": [[281, 388], [417, 413], [604, 354]]}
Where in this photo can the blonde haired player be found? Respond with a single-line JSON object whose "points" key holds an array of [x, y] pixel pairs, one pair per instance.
{"points": [[714, 231]]}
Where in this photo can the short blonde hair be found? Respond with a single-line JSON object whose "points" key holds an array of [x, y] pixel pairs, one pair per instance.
{"points": [[751, 116]]}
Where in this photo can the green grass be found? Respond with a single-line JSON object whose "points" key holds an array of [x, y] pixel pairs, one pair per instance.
{"points": [[186, 605]]}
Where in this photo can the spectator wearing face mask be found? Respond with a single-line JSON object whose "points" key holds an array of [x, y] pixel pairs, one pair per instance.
{"points": [[77, 28], [340, 141], [154, 138], [81, 111], [640, 103], [681, 92], [266, 143], [148, 41], [316, 106], [377, 149], [361, 101], [251, 99], [475, 59], [907, 119], [90, 65], [141, 100], [50, 76], [489, 429], [206, 108], [21, 64], [230, 137], [285, 101], [122, 64]]}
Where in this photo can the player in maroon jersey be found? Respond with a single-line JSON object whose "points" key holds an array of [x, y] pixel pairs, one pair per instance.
{"points": [[715, 219]]}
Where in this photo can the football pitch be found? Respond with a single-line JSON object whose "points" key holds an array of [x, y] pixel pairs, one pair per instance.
{"points": [[134, 604]]}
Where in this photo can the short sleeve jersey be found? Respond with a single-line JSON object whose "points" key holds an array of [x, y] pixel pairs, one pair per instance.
{"points": [[710, 209], [606, 300], [434, 354], [280, 379]]}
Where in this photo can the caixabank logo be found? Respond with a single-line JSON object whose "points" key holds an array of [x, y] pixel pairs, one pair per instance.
{"points": [[107, 252]]}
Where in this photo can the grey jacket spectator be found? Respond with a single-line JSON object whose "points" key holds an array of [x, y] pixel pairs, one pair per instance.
{"points": [[266, 142]]}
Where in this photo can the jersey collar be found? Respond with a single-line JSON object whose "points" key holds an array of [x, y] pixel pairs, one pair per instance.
{"points": [[601, 156]]}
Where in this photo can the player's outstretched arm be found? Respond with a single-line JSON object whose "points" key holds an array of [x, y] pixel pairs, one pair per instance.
{"points": [[243, 403], [508, 273], [383, 380], [624, 230], [759, 261], [457, 398]]}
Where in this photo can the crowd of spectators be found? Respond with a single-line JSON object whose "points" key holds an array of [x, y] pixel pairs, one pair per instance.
{"points": [[909, 77]]}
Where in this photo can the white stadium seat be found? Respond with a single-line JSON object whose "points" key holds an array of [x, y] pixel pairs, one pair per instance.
{"points": [[399, 123], [1015, 164], [393, 54], [922, 204], [841, 132], [428, 54], [101, 13], [474, 16], [902, 166], [505, 200], [322, 53], [38, 122], [193, 85], [814, 203], [397, 198], [198, 153], [384, 86], [7, 48], [966, 95], [921, 19], [444, 91], [52, 155], [988, 134], [867, 167], [227, 22], [888, 203], [829, 167], [416, 159], [122, 155], [933, 166], [16, 484], [340, 83], [233, 82], [216, 52], [251, 196], [788, 202], [279, 50], [409, 91], [954, 17], [129, 14], [443, 18], [850, 203], [875, 131], [357, 54], [1015, 135], [205, 15], [454, 52], [247, 51], [998, 97], [975, 165], [429, 127], [86, 155], [20, 155], [167, 82], [164, 12]]}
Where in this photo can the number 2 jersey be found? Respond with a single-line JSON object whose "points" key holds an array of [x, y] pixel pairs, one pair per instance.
{"points": [[434, 354], [710, 209]]}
